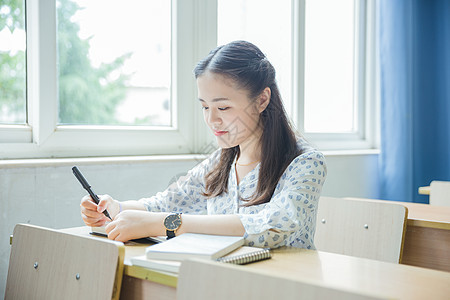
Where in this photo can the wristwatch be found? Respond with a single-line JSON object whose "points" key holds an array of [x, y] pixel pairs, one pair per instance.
{"points": [[172, 222]]}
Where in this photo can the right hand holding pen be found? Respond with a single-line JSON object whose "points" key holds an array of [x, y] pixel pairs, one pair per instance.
{"points": [[92, 213]]}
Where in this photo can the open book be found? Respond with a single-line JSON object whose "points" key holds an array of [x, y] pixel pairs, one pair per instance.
{"points": [[241, 255]]}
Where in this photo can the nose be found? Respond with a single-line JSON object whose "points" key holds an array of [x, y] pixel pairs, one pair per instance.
{"points": [[213, 117]]}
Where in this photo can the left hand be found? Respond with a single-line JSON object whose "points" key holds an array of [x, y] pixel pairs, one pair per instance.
{"points": [[133, 224]]}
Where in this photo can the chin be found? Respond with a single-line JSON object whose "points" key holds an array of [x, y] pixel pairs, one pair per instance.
{"points": [[225, 144]]}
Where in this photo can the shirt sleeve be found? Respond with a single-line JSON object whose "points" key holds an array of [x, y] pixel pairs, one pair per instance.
{"points": [[184, 195], [289, 219]]}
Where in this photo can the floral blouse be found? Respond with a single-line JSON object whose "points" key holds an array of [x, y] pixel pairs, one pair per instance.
{"points": [[288, 219]]}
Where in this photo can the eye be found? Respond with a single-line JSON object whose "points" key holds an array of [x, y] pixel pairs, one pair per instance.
{"points": [[223, 108], [205, 107]]}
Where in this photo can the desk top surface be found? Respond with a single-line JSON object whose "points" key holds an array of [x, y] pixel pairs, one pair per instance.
{"points": [[357, 274], [328, 269], [424, 190], [423, 215]]}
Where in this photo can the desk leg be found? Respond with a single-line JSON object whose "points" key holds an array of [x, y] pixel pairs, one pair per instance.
{"points": [[135, 288], [427, 247]]}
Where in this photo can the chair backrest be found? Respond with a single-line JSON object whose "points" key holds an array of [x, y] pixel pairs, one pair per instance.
{"points": [[49, 264], [440, 193], [362, 228], [205, 280]]}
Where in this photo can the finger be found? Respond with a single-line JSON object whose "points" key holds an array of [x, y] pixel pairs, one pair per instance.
{"points": [[91, 213], [98, 223], [91, 221], [105, 201], [121, 238], [110, 226], [112, 235], [87, 202]]}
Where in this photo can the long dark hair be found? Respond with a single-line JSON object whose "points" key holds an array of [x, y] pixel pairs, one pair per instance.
{"points": [[249, 68]]}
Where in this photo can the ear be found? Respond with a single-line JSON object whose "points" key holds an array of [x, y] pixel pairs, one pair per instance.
{"points": [[264, 99]]}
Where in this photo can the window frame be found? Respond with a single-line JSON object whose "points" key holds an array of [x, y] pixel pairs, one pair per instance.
{"points": [[365, 98], [192, 20], [43, 137]]}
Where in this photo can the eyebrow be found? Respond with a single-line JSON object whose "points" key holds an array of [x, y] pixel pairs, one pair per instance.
{"points": [[215, 99]]}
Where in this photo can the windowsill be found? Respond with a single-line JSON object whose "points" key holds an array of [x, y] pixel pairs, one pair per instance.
{"points": [[49, 162], [351, 152]]}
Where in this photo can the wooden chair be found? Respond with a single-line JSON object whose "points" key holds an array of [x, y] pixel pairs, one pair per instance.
{"points": [[49, 264], [362, 228], [204, 280], [440, 193]]}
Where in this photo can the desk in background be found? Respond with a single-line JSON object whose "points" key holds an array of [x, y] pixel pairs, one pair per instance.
{"points": [[427, 237], [427, 240], [424, 190], [327, 269]]}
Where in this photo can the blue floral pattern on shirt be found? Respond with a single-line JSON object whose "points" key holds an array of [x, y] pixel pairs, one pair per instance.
{"points": [[289, 219]]}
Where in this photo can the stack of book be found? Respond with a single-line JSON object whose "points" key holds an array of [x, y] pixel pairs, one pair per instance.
{"points": [[168, 255]]}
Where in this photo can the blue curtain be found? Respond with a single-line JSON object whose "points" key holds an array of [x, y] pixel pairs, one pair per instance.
{"points": [[414, 56]]}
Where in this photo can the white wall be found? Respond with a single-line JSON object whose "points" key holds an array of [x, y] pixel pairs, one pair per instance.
{"points": [[45, 192]]}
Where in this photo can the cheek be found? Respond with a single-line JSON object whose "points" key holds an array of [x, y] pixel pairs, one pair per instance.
{"points": [[249, 122], [205, 115]]}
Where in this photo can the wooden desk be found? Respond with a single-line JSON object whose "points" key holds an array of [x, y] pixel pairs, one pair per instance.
{"points": [[427, 238], [328, 269], [299, 273], [424, 190], [358, 274]]}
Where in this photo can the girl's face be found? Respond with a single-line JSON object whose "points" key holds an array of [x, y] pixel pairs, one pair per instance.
{"points": [[228, 111]]}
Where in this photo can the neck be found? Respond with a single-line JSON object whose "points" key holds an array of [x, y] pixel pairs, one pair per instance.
{"points": [[250, 151]]}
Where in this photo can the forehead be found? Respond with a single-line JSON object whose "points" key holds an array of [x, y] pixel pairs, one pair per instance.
{"points": [[211, 77], [212, 85]]}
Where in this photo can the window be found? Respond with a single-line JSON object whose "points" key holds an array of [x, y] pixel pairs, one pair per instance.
{"points": [[329, 67], [124, 101], [116, 71], [318, 49], [336, 73], [265, 23], [13, 104], [88, 81]]}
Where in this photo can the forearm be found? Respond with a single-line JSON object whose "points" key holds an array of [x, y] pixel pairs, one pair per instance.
{"points": [[211, 224], [132, 205], [133, 223]]}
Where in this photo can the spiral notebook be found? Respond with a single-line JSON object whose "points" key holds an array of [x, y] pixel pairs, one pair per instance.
{"points": [[242, 255], [245, 255]]}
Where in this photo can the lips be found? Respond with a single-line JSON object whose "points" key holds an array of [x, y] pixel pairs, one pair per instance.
{"points": [[219, 133]]}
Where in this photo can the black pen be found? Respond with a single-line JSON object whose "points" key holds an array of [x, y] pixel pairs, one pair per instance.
{"points": [[87, 187]]}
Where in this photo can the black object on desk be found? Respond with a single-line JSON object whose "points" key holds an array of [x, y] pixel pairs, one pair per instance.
{"points": [[87, 187]]}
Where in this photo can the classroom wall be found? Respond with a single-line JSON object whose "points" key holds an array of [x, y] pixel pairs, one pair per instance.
{"points": [[47, 194]]}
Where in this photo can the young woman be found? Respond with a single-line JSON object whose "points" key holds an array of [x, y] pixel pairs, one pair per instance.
{"points": [[263, 183]]}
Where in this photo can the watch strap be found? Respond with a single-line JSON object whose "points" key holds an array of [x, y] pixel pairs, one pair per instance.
{"points": [[170, 234]]}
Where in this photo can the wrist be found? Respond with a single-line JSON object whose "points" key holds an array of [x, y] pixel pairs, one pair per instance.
{"points": [[172, 223]]}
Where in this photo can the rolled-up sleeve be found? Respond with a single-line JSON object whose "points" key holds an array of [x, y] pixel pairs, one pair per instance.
{"points": [[289, 218]]}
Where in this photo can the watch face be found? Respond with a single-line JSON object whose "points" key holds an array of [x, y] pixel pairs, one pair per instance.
{"points": [[172, 222]]}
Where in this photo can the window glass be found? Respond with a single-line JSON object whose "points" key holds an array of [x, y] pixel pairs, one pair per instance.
{"points": [[114, 62], [267, 24], [13, 106], [329, 66]]}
